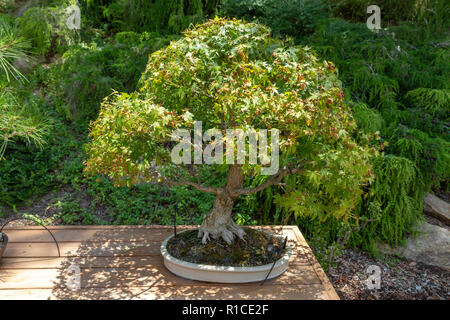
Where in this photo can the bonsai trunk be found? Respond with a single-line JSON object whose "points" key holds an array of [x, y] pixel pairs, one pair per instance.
{"points": [[219, 221]]}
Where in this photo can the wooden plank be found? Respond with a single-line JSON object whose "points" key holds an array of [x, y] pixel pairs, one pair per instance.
{"points": [[103, 249], [127, 227], [124, 262], [128, 277], [332, 295], [115, 234], [93, 235], [70, 249], [27, 294], [93, 262], [266, 292], [97, 227], [82, 262], [21, 248]]}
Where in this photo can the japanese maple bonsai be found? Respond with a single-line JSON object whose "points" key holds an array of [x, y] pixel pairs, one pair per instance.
{"points": [[230, 74]]}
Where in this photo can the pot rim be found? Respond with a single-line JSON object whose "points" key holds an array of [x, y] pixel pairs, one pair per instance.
{"points": [[206, 267]]}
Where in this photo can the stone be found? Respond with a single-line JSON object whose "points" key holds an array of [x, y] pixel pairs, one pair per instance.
{"points": [[431, 247], [24, 7], [437, 208], [26, 64], [22, 64]]}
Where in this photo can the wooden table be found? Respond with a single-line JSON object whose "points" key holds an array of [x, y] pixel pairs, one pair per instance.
{"points": [[124, 262]]}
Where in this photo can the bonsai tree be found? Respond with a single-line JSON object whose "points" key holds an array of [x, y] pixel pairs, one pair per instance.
{"points": [[230, 74]]}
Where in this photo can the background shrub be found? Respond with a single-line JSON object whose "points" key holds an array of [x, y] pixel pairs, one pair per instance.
{"points": [[394, 203], [13, 47], [294, 18], [6, 5], [46, 28], [22, 120], [396, 81], [431, 13], [142, 15], [86, 74]]}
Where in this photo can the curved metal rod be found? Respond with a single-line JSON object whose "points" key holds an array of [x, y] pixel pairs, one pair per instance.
{"points": [[35, 221], [273, 265]]}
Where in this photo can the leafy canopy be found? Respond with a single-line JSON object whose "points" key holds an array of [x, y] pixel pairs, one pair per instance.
{"points": [[231, 74]]}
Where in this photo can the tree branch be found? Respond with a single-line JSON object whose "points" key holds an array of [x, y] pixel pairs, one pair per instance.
{"points": [[197, 186], [274, 180]]}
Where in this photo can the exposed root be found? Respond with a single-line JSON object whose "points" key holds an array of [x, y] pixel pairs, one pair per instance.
{"points": [[226, 231]]}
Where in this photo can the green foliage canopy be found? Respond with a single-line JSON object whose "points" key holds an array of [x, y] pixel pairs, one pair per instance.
{"points": [[230, 74]]}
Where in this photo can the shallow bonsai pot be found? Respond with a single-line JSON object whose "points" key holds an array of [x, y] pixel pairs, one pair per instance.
{"points": [[222, 274], [3, 243]]}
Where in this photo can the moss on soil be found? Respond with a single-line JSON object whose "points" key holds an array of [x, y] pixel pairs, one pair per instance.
{"points": [[256, 249]]}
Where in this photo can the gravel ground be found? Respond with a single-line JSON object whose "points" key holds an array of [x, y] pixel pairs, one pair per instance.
{"points": [[400, 279]]}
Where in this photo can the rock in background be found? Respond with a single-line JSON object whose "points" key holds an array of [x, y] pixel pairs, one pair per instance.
{"points": [[437, 208], [431, 247]]}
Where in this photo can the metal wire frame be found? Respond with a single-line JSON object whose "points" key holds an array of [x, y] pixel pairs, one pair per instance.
{"points": [[273, 265], [35, 221]]}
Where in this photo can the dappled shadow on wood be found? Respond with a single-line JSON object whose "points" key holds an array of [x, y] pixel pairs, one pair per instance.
{"points": [[120, 264]]}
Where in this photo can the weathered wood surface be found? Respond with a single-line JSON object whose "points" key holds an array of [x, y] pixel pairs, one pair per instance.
{"points": [[123, 262]]}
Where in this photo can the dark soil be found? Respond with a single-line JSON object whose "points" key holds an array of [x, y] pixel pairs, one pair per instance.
{"points": [[256, 249]]}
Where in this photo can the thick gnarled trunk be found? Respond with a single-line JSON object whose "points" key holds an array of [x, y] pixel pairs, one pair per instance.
{"points": [[219, 221]]}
